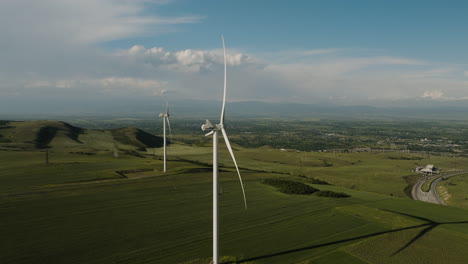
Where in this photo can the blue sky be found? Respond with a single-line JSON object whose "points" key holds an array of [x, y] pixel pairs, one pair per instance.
{"points": [[432, 30], [351, 52]]}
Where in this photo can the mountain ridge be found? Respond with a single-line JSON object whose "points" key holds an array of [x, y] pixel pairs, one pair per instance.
{"points": [[26, 135]]}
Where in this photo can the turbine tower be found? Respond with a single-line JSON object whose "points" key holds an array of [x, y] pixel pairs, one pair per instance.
{"points": [[165, 118], [213, 130]]}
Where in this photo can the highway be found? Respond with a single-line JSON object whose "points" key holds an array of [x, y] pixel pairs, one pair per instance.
{"points": [[432, 196]]}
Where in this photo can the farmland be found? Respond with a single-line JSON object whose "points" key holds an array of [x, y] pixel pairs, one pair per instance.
{"points": [[77, 209]]}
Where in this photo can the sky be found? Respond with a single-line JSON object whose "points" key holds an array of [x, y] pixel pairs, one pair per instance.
{"points": [[315, 51]]}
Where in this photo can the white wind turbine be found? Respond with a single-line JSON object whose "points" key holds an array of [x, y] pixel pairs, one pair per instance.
{"points": [[165, 117], [213, 130]]}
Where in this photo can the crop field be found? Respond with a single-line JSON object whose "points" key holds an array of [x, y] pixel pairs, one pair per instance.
{"points": [[78, 210], [86, 206], [361, 171]]}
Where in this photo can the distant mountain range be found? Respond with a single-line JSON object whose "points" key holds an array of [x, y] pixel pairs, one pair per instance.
{"points": [[152, 106]]}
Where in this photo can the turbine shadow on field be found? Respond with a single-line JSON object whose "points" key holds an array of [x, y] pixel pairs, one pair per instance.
{"points": [[431, 225], [428, 227], [418, 236]]}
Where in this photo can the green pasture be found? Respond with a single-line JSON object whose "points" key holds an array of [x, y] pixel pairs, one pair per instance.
{"points": [[78, 210], [427, 184], [456, 188], [26, 170], [377, 172]]}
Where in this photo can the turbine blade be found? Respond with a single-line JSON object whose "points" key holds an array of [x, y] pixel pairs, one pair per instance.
{"points": [[209, 133], [225, 84], [228, 145], [170, 130]]}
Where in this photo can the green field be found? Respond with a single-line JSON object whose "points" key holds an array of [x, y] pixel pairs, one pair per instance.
{"points": [[456, 188], [377, 172], [77, 209]]}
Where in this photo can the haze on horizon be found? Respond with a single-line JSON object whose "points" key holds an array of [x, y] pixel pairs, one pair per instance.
{"points": [[98, 51]]}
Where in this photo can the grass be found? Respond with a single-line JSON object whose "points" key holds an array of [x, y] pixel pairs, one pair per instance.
{"points": [[361, 171], [77, 209], [332, 194], [27, 170], [290, 187], [63, 137], [427, 184], [390, 244], [455, 190], [167, 218]]}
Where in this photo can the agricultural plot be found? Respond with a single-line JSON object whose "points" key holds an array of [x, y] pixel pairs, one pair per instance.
{"points": [[86, 206], [166, 218], [377, 172]]}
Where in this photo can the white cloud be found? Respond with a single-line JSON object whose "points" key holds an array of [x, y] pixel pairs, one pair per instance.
{"points": [[57, 37], [319, 51], [432, 73], [185, 60], [83, 21], [197, 74], [109, 85], [435, 94], [47, 46]]}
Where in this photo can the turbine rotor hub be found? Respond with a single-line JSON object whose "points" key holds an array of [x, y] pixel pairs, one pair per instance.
{"points": [[207, 126]]}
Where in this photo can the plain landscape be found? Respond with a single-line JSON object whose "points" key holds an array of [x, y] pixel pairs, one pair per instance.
{"points": [[67, 197]]}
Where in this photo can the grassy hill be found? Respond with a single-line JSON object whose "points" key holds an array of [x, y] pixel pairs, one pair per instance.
{"points": [[62, 137], [79, 209]]}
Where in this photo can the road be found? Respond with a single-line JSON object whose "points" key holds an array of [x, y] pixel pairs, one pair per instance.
{"points": [[432, 196]]}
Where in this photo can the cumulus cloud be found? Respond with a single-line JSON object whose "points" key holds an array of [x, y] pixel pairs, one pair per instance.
{"points": [[61, 36], [197, 74], [435, 94], [185, 60], [48, 47]]}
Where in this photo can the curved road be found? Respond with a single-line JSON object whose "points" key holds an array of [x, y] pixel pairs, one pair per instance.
{"points": [[432, 196]]}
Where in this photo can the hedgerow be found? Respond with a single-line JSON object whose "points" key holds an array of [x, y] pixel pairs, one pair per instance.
{"points": [[290, 187], [332, 194]]}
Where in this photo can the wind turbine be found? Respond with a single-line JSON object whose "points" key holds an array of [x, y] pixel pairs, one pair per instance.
{"points": [[165, 117], [213, 130]]}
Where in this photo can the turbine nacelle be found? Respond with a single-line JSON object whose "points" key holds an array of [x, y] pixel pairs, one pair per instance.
{"points": [[207, 126]]}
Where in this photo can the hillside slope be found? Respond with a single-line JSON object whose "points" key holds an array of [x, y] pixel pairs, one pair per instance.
{"points": [[31, 135]]}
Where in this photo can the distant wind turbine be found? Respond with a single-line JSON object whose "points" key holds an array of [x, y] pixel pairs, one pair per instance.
{"points": [[165, 117], [213, 130]]}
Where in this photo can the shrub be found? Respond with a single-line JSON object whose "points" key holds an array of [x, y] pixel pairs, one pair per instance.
{"points": [[314, 180], [327, 163], [290, 187], [317, 181], [332, 194]]}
